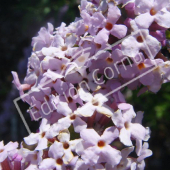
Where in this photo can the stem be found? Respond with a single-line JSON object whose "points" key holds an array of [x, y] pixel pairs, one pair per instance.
{"points": [[104, 120], [91, 120], [17, 165], [5, 165]]}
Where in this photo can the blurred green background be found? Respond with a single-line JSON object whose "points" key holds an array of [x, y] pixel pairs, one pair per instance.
{"points": [[20, 20]]}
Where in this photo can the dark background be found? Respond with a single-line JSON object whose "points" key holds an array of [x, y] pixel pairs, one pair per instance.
{"points": [[20, 20]]}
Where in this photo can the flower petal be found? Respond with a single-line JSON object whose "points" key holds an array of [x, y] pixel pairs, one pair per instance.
{"points": [[102, 37], [44, 125], [42, 144], [144, 20], [90, 156], [32, 139], [3, 156], [162, 18], [56, 146], [105, 110], [79, 124], [47, 164], [64, 136], [117, 118], [151, 46], [87, 110], [137, 131], [110, 134], [130, 47], [125, 137], [63, 108], [90, 136], [85, 95], [70, 40], [119, 31], [11, 146], [111, 155]]}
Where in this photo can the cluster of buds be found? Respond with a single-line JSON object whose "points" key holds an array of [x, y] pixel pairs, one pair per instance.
{"points": [[74, 84]]}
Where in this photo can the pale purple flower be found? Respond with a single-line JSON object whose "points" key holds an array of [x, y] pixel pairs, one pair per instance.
{"points": [[74, 119], [142, 154], [126, 161], [94, 103], [19, 86], [98, 148], [5, 149], [33, 158], [61, 47], [92, 23], [56, 160], [33, 71], [68, 145], [122, 119], [39, 138], [80, 164], [76, 78], [111, 27], [124, 2], [140, 40], [165, 69], [152, 11], [44, 38]]}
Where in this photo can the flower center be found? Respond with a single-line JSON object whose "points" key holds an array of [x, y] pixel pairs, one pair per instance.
{"points": [[86, 27], [54, 81], [120, 165], [36, 108], [64, 48], [95, 102], [101, 143], [43, 134], [109, 26], [73, 117], [109, 60], [70, 99], [47, 98], [153, 11], [141, 66], [98, 46], [59, 161], [139, 39], [35, 157], [81, 59], [52, 140], [63, 67], [65, 145], [85, 79], [69, 57], [127, 125], [1, 150]]}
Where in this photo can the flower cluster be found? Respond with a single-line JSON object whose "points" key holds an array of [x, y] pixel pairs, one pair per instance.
{"points": [[74, 83]]}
